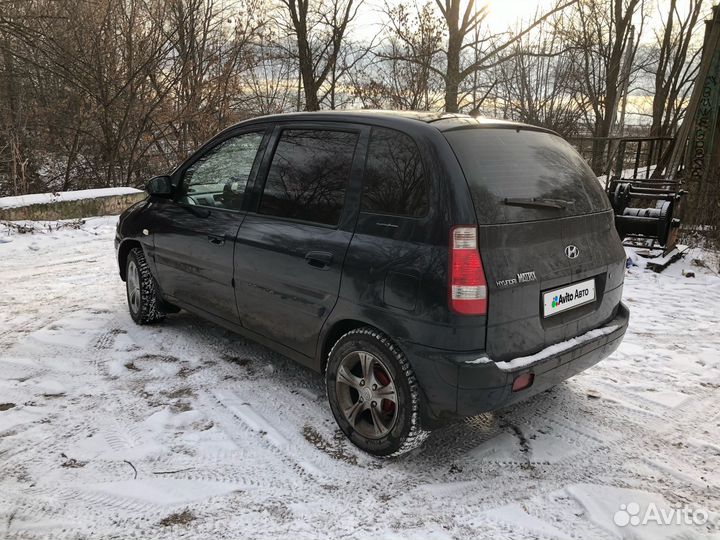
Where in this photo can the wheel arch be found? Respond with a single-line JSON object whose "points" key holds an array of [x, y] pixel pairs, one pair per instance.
{"points": [[334, 332], [339, 328], [123, 251]]}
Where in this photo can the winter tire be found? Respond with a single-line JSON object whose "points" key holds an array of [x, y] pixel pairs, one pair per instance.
{"points": [[143, 298], [373, 393]]}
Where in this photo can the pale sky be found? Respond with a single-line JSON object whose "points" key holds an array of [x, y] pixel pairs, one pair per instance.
{"points": [[503, 13]]}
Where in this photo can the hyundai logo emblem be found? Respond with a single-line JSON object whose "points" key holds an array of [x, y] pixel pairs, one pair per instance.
{"points": [[572, 252]]}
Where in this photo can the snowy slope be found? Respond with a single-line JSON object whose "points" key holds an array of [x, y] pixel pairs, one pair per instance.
{"points": [[47, 198], [108, 429]]}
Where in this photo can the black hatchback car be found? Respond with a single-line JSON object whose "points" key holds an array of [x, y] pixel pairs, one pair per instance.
{"points": [[432, 266]]}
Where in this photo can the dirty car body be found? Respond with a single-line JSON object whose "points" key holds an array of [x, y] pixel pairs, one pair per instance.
{"points": [[480, 255]]}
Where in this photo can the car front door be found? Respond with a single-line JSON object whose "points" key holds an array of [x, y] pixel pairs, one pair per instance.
{"points": [[194, 233], [289, 252]]}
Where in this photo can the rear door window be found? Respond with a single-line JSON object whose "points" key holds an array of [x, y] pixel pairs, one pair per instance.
{"points": [[309, 175], [504, 165], [394, 182]]}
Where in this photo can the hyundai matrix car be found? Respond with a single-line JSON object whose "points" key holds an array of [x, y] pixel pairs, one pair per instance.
{"points": [[431, 266]]}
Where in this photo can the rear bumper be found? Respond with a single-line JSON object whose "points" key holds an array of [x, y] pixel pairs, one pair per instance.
{"points": [[457, 385]]}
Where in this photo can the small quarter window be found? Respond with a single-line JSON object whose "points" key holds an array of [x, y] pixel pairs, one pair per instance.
{"points": [[309, 175], [394, 181]]}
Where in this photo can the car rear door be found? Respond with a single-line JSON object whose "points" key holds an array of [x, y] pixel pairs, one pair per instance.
{"points": [[290, 250], [194, 233], [545, 232]]}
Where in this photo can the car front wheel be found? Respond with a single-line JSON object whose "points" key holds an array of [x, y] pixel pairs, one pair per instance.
{"points": [[373, 393], [143, 298]]}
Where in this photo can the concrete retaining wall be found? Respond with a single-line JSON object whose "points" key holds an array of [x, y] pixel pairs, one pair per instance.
{"points": [[98, 206]]}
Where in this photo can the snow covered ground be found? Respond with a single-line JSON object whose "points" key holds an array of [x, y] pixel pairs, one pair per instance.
{"points": [[47, 198], [184, 430]]}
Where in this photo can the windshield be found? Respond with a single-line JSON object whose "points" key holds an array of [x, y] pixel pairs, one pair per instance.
{"points": [[507, 163]]}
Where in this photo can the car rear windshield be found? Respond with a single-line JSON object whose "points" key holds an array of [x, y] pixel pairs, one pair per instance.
{"points": [[524, 175]]}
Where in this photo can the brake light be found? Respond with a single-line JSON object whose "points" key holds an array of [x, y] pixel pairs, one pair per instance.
{"points": [[468, 288]]}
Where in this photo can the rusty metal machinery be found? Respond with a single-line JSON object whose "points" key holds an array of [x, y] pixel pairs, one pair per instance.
{"points": [[649, 205], [646, 211]]}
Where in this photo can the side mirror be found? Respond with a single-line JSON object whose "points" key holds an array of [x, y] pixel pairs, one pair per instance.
{"points": [[159, 186]]}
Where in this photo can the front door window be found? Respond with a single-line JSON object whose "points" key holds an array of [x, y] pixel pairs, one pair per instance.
{"points": [[218, 179]]}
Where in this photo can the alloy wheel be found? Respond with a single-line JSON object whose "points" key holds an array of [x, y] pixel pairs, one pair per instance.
{"points": [[366, 394], [133, 286]]}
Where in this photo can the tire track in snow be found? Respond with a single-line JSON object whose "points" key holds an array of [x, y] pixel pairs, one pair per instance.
{"points": [[278, 443]]}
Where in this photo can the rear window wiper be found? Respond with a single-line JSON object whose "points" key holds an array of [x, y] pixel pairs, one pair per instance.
{"points": [[537, 202]]}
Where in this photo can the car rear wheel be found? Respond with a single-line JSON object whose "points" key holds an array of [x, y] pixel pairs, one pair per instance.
{"points": [[373, 393], [143, 298]]}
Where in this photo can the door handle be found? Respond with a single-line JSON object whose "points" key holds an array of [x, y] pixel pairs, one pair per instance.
{"points": [[319, 259], [215, 239]]}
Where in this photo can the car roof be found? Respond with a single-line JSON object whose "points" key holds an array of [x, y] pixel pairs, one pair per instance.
{"points": [[441, 121]]}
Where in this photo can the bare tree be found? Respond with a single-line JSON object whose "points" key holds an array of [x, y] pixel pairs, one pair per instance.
{"points": [[89, 86], [462, 24], [320, 28], [599, 31], [114, 89], [401, 76], [101, 92], [467, 49], [15, 153], [272, 80], [535, 85], [210, 46], [674, 63]]}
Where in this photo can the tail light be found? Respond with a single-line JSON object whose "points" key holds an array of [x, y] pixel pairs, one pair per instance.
{"points": [[468, 288]]}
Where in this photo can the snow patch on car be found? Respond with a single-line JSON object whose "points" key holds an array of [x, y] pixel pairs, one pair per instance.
{"points": [[556, 349]]}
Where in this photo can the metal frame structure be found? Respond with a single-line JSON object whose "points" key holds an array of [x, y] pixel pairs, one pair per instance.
{"points": [[649, 207]]}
